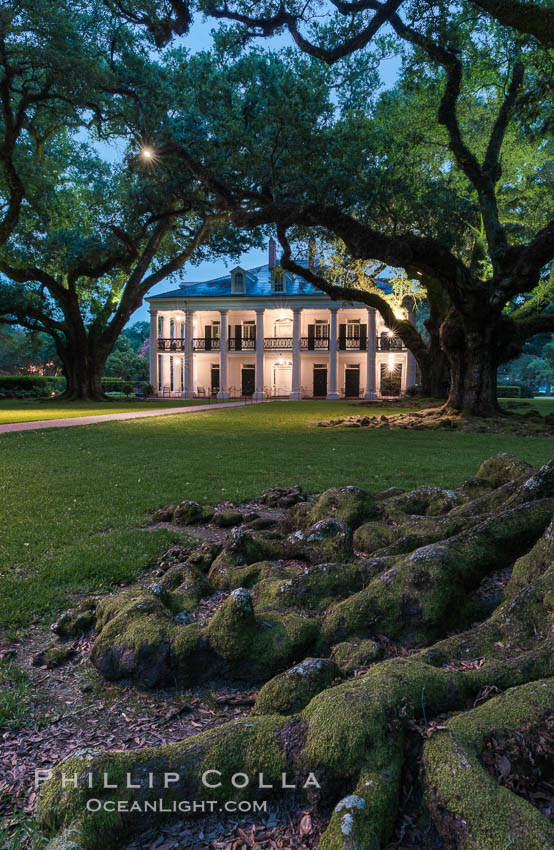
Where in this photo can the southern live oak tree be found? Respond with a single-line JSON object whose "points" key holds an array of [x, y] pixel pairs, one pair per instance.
{"points": [[51, 78], [78, 266], [462, 63], [81, 242]]}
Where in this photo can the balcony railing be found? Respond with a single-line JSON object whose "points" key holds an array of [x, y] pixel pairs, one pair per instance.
{"points": [[173, 344], [314, 343], [354, 343], [387, 344], [238, 344], [278, 343], [205, 344], [390, 343]]}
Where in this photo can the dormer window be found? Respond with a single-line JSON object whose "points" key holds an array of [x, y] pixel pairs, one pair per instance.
{"points": [[279, 281], [238, 282]]}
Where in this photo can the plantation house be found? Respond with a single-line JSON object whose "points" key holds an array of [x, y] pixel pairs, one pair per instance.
{"points": [[262, 333]]}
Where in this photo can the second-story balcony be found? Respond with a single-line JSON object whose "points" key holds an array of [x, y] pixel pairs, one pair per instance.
{"points": [[171, 344], [237, 343], [205, 343], [314, 343], [278, 343], [352, 343], [390, 343]]}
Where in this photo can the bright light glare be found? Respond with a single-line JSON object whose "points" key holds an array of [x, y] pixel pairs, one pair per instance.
{"points": [[391, 334], [147, 153], [391, 364]]}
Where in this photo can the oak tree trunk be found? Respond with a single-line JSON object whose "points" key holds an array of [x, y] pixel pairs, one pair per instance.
{"points": [[83, 375], [472, 350]]}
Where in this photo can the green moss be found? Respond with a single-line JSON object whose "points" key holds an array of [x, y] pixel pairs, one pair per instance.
{"points": [[227, 518], [354, 654], [350, 505], [291, 691], [312, 589], [533, 564], [502, 468], [423, 593], [240, 746], [372, 536], [461, 791], [240, 549]]}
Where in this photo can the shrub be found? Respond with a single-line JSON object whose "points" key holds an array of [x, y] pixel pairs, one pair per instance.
{"points": [[513, 391], [119, 385], [30, 386]]}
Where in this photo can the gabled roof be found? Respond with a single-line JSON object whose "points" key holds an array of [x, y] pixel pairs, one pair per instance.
{"points": [[258, 284]]}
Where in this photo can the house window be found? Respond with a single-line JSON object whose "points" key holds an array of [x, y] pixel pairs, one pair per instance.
{"points": [[249, 330], [171, 375], [279, 285], [216, 330], [159, 372], [321, 329], [172, 328], [160, 326], [353, 328]]}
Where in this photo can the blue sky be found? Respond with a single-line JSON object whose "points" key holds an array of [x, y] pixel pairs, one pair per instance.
{"points": [[199, 39]]}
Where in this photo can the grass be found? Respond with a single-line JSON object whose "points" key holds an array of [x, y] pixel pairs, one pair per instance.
{"points": [[74, 501], [20, 832], [15, 704], [16, 410]]}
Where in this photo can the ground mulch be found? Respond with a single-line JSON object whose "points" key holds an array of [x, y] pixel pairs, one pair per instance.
{"points": [[75, 710], [285, 826], [523, 762]]}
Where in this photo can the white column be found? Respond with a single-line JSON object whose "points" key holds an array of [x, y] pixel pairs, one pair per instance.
{"points": [[188, 389], [259, 394], [333, 395], [223, 349], [162, 361], [296, 329], [411, 369], [154, 350], [371, 356]]}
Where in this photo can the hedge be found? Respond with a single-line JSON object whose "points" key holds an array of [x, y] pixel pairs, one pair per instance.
{"points": [[31, 385], [513, 391], [119, 385]]}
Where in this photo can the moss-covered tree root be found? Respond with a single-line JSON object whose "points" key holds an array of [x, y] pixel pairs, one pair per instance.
{"points": [[345, 745]]}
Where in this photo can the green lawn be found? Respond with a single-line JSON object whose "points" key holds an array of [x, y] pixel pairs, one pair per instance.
{"points": [[73, 501], [12, 410]]}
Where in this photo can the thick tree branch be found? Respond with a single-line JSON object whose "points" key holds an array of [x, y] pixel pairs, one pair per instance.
{"points": [[403, 329], [530, 18], [268, 26]]}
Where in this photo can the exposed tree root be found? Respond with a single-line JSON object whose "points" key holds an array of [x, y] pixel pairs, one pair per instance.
{"points": [[351, 737]]}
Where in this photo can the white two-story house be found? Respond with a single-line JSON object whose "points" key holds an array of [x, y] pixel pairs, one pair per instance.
{"points": [[261, 333]]}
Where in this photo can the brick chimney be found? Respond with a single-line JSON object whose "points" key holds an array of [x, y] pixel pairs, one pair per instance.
{"points": [[272, 254]]}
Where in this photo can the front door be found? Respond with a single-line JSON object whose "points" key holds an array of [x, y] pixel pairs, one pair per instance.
{"points": [[352, 382], [282, 379], [320, 381], [215, 380], [248, 380]]}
